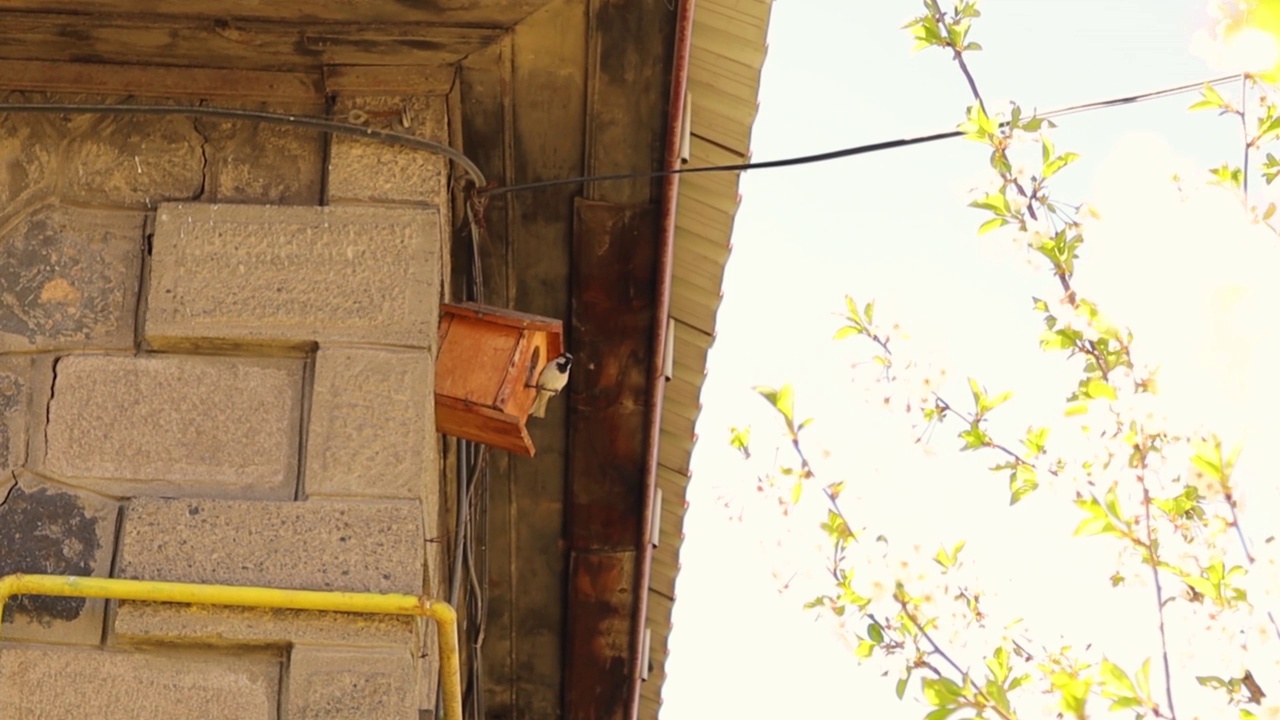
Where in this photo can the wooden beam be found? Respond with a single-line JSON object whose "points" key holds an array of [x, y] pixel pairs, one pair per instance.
{"points": [[166, 82], [249, 45], [548, 94], [628, 81], [370, 80], [615, 280], [474, 13], [614, 270]]}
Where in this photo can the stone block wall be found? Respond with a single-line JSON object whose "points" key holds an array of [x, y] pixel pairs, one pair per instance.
{"points": [[217, 346]]}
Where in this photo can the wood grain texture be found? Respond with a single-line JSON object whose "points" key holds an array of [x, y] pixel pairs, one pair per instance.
{"points": [[615, 260], [221, 43], [374, 80], [612, 321], [160, 82], [475, 13], [548, 92], [628, 83]]}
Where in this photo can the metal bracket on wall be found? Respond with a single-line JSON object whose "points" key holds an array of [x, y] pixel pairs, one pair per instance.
{"points": [[441, 613]]}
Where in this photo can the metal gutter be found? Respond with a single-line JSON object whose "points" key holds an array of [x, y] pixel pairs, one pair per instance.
{"points": [[662, 309]]}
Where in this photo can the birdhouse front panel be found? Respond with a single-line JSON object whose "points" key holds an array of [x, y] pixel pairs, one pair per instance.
{"points": [[487, 371]]}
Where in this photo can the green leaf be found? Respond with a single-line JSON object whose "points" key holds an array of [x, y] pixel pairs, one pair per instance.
{"points": [[996, 202], [782, 399], [998, 664], [1098, 389], [865, 649], [993, 224], [1035, 440], [997, 401], [851, 306], [947, 559], [940, 692], [795, 492], [941, 713], [1022, 482], [1056, 340], [1117, 687], [847, 331], [1144, 678], [740, 440], [978, 393], [875, 633], [901, 688], [1210, 100], [1052, 167], [974, 437]]}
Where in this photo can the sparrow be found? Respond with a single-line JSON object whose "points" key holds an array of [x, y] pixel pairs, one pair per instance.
{"points": [[551, 381]]}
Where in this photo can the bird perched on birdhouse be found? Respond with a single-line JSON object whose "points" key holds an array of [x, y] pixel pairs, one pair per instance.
{"points": [[551, 381]]}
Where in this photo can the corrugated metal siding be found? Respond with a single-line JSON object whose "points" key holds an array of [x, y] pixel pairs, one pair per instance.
{"points": [[724, 79]]}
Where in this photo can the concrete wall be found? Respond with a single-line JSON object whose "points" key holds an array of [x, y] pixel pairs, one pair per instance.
{"points": [[206, 376]]}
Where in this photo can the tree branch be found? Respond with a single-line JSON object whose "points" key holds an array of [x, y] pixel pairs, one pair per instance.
{"points": [[1153, 562]]}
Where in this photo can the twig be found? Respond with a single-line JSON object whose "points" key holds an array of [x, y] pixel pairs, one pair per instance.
{"points": [[964, 675], [947, 408], [1155, 578], [1244, 545], [1248, 142]]}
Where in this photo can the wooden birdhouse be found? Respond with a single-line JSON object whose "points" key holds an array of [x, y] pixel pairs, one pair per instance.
{"points": [[487, 371]]}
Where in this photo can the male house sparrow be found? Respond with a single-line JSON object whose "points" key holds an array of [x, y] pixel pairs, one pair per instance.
{"points": [[551, 381]]}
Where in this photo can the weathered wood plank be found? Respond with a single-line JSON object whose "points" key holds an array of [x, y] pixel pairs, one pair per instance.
{"points": [[614, 273], [548, 108], [232, 44], [166, 82], [361, 80], [628, 82], [475, 13], [596, 660]]}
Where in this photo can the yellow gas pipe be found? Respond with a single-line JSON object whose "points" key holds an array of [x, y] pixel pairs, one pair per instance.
{"points": [[443, 614]]}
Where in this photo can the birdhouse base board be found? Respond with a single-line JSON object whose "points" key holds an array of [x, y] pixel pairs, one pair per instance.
{"points": [[484, 425]]}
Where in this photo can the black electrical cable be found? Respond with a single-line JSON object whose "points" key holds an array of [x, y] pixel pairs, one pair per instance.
{"points": [[314, 123], [859, 149], [477, 177]]}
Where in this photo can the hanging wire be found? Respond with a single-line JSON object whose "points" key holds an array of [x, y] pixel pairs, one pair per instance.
{"points": [[480, 189], [303, 121], [858, 149]]}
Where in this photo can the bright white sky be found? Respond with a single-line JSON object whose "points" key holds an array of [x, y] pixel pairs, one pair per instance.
{"points": [[892, 226]]}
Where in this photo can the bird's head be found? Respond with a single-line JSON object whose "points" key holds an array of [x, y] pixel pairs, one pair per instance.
{"points": [[564, 362]]}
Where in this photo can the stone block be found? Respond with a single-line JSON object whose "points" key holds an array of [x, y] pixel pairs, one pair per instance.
{"points": [[141, 623], [26, 175], [363, 170], [69, 279], [294, 275], [263, 162], [39, 681], [313, 545], [372, 428], [15, 404], [176, 425], [132, 161], [337, 683], [54, 530]]}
